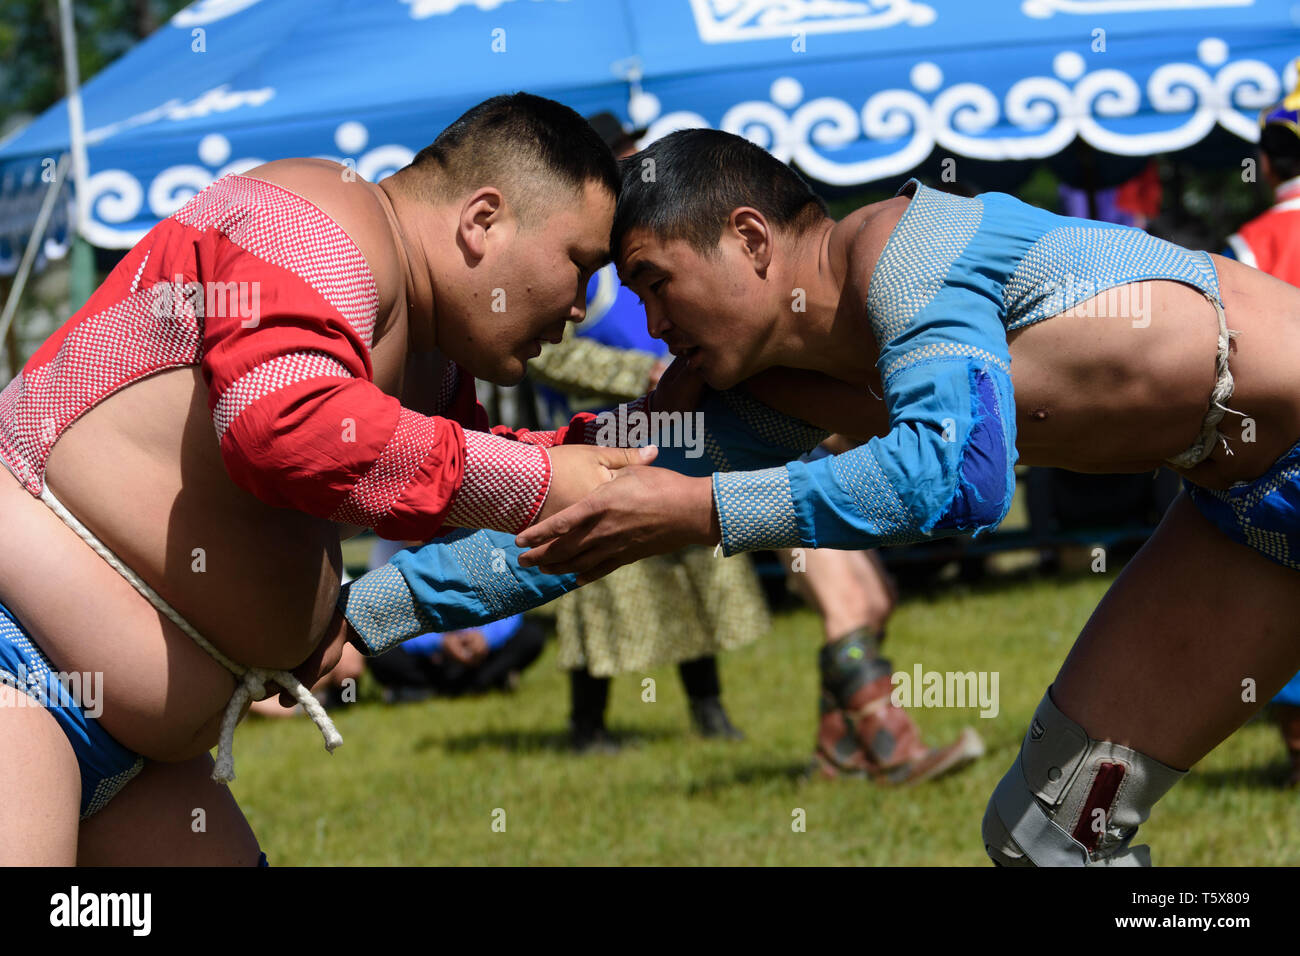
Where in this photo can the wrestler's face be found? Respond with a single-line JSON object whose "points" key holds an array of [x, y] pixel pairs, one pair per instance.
{"points": [[531, 281], [711, 310]]}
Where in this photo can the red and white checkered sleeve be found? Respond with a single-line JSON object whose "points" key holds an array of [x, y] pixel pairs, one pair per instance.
{"points": [[460, 401], [302, 425], [571, 434]]}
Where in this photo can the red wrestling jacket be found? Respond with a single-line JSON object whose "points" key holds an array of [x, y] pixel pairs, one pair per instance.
{"points": [[275, 304], [1269, 241]]}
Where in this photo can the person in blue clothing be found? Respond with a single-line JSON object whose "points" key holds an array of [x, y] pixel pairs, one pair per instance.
{"points": [[1126, 352], [486, 655], [685, 606], [490, 657], [475, 660]]}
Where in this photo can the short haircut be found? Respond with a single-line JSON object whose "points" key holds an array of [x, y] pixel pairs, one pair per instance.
{"points": [[1281, 145], [527, 146], [697, 178]]}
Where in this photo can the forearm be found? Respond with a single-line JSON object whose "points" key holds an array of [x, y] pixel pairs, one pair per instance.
{"points": [[947, 467], [729, 431], [460, 581]]}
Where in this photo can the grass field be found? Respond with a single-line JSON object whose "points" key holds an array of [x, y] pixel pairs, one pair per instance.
{"points": [[419, 783]]}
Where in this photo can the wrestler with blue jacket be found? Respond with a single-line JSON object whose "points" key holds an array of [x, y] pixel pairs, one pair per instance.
{"points": [[995, 332]]}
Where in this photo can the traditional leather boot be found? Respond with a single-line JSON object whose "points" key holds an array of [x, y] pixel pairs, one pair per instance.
{"points": [[861, 732], [711, 720]]}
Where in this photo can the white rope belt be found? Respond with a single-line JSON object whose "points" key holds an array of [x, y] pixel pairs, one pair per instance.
{"points": [[1222, 391], [253, 680]]}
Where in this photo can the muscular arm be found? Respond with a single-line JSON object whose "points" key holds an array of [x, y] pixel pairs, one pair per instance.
{"points": [[737, 431], [836, 406], [466, 579], [945, 464], [298, 417]]}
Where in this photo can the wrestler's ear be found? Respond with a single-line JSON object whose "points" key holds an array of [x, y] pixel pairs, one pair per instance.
{"points": [[755, 235], [480, 212]]}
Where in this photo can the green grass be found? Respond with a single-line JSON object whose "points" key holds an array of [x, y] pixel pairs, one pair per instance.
{"points": [[418, 784]]}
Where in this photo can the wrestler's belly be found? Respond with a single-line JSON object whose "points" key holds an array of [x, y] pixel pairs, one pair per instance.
{"points": [[143, 471], [1104, 392]]}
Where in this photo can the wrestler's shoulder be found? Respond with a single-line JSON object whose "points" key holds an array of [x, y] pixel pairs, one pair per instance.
{"points": [[351, 202], [861, 236]]}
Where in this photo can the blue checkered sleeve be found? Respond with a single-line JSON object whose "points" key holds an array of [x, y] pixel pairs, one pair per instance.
{"points": [[946, 467], [465, 579]]}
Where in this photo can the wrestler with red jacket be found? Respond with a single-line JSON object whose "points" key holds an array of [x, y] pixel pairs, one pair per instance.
{"points": [[288, 358]]}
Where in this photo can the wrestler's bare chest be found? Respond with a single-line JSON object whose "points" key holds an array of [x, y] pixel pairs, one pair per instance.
{"points": [[143, 470], [1101, 393]]}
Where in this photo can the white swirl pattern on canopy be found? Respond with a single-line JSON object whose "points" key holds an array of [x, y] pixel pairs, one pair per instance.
{"points": [[1038, 116]]}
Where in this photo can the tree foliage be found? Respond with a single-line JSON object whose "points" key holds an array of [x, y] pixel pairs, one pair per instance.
{"points": [[31, 52]]}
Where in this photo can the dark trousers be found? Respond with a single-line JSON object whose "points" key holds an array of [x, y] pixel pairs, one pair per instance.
{"points": [[590, 695], [447, 677]]}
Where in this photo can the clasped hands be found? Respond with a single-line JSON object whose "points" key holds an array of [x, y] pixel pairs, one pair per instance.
{"points": [[636, 512], [642, 511], [606, 508]]}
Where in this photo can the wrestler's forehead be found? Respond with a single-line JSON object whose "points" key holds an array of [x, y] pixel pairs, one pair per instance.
{"points": [[642, 249], [586, 224]]}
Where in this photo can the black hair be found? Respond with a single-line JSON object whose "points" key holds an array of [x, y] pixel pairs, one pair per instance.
{"points": [[686, 185], [1281, 144], [517, 140]]}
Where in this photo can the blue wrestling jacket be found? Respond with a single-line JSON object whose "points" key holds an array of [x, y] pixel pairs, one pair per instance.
{"points": [[955, 276]]}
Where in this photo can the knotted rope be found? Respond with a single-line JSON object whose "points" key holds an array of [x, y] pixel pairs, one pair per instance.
{"points": [[252, 683]]}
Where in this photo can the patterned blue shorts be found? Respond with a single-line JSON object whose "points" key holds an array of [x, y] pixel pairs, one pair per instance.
{"points": [[1263, 514], [106, 766]]}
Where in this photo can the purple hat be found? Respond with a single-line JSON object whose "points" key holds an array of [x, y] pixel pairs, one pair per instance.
{"points": [[1285, 113]]}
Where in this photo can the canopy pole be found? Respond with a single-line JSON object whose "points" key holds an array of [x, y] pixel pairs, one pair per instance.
{"points": [[82, 259], [33, 243]]}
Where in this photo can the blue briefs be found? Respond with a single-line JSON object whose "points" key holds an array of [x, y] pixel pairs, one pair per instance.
{"points": [[105, 765], [1263, 514]]}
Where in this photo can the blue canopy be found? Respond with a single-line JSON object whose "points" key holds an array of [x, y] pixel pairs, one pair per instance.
{"points": [[850, 92]]}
